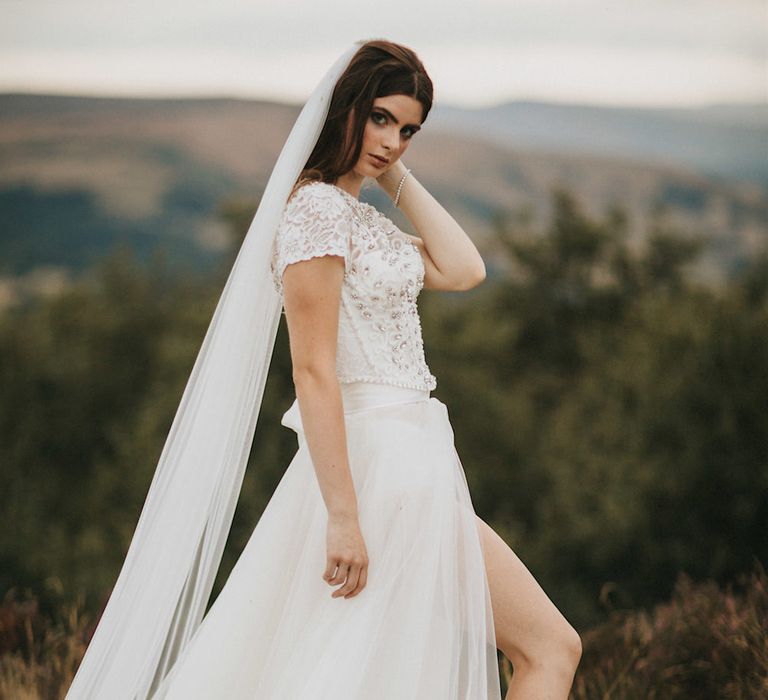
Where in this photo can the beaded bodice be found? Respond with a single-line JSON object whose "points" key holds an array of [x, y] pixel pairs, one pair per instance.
{"points": [[379, 336]]}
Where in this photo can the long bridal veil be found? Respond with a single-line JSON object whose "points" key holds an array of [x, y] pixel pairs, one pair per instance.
{"points": [[162, 590]]}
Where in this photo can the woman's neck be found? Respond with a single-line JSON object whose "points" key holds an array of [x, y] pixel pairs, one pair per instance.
{"points": [[350, 182]]}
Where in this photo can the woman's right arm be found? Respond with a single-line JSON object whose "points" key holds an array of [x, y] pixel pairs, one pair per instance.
{"points": [[312, 293]]}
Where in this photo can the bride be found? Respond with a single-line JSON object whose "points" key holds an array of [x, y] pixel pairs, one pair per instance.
{"points": [[369, 575]]}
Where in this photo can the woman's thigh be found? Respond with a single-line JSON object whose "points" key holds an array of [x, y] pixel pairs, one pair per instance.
{"points": [[527, 622]]}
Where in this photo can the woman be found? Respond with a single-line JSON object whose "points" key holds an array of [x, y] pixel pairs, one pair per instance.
{"points": [[374, 503]]}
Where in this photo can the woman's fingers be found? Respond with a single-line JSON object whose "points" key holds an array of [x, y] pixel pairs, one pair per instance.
{"points": [[346, 557], [347, 590], [363, 579], [353, 576], [340, 569]]}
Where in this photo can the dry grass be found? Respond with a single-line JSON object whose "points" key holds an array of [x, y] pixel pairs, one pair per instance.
{"points": [[704, 643], [39, 656]]}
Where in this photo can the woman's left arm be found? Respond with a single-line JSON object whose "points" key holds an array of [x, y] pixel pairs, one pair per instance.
{"points": [[451, 260]]}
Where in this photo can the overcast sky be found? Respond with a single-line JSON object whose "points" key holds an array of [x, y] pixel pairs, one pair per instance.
{"points": [[481, 52]]}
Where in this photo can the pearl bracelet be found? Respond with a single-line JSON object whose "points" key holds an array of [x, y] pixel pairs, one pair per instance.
{"points": [[400, 186]]}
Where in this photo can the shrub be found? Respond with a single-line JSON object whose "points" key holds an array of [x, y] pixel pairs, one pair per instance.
{"points": [[704, 643]]}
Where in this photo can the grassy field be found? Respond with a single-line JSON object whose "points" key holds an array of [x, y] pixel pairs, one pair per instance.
{"points": [[705, 642]]}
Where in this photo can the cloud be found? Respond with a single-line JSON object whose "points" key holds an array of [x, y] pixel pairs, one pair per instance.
{"points": [[670, 51]]}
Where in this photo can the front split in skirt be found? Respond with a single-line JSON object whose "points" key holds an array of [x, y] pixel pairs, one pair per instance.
{"points": [[421, 628]]}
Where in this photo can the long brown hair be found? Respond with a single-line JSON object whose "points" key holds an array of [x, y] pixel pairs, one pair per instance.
{"points": [[379, 68]]}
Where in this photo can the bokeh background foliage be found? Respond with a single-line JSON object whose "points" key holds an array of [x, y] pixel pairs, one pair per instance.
{"points": [[609, 411]]}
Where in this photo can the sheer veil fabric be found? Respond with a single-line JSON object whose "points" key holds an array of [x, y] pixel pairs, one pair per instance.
{"points": [[162, 590]]}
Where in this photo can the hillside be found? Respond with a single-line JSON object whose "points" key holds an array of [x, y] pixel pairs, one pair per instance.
{"points": [[728, 141], [82, 174]]}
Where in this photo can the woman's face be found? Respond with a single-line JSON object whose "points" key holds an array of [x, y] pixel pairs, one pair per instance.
{"points": [[391, 124]]}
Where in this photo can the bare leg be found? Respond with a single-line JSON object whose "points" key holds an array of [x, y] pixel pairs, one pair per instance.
{"points": [[531, 632]]}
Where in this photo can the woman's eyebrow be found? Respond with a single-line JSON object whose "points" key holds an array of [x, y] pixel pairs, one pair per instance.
{"points": [[392, 117]]}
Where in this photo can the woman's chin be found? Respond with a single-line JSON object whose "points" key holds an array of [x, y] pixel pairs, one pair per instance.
{"points": [[384, 170]]}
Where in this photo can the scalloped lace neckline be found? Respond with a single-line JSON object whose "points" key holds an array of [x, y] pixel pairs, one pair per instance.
{"points": [[357, 201], [342, 190]]}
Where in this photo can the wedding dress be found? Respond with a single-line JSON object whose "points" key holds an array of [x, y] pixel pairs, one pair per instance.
{"points": [[422, 627]]}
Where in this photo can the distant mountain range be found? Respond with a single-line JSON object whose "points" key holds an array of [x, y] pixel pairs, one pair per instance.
{"points": [[81, 174], [730, 141]]}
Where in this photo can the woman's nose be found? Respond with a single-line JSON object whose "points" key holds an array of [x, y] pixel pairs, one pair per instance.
{"points": [[391, 139]]}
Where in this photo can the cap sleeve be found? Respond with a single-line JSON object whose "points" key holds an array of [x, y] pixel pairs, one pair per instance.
{"points": [[315, 223]]}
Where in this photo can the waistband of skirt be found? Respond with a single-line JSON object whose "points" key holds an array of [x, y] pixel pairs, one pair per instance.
{"points": [[358, 396], [361, 396]]}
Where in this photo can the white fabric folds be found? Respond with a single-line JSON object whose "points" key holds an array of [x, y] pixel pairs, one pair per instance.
{"points": [[161, 593], [421, 629]]}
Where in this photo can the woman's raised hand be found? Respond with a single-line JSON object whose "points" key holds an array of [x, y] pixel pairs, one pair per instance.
{"points": [[347, 559], [390, 178]]}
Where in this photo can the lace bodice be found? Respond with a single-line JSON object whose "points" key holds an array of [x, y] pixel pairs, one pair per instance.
{"points": [[379, 336]]}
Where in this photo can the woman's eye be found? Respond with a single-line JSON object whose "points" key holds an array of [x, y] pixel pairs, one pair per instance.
{"points": [[376, 116]]}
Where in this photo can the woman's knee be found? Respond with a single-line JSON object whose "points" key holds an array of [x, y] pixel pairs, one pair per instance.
{"points": [[529, 627], [557, 647], [572, 644]]}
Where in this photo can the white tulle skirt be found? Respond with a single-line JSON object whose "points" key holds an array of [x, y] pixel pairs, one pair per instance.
{"points": [[421, 628]]}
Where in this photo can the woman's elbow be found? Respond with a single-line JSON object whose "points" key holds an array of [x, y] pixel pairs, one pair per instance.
{"points": [[473, 279]]}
